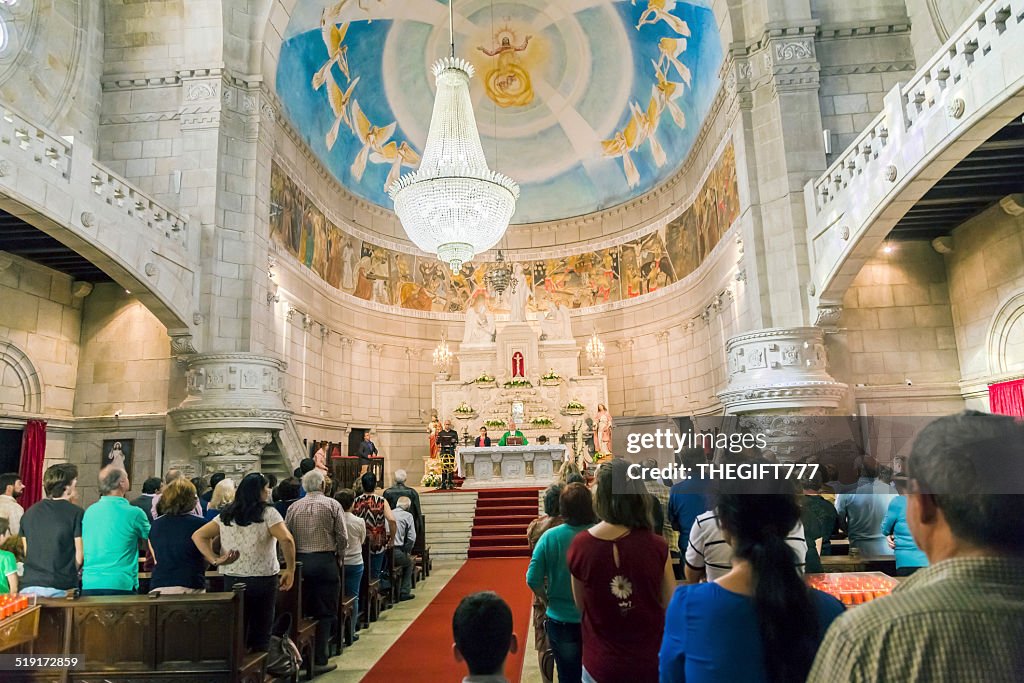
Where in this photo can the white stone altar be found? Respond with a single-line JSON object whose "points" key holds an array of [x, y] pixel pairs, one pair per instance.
{"points": [[505, 466], [542, 405]]}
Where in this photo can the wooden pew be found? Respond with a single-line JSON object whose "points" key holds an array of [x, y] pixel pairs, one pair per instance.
{"points": [[421, 553], [394, 574], [131, 638], [370, 598], [347, 618], [303, 631]]}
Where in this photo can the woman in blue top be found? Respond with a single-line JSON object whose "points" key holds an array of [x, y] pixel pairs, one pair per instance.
{"points": [[759, 622], [549, 578], [909, 558]]}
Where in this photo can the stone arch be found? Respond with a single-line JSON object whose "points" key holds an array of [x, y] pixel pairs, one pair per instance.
{"points": [[18, 370], [1006, 336]]}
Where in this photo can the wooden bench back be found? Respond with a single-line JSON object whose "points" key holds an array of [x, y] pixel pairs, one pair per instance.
{"points": [[137, 637]]}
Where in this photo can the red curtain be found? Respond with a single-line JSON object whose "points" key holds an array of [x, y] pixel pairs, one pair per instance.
{"points": [[1007, 398], [33, 450]]}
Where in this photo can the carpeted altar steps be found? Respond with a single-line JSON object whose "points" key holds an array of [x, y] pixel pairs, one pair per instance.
{"points": [[499, 525]]}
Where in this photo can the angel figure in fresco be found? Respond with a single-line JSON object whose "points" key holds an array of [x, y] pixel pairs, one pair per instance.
{"points": [[670, 49], [624, 142], [508, 83], [660, 10], [339, 105], [373, 138], [337, 53], [398, 155], [648, 126], [666, 92]]}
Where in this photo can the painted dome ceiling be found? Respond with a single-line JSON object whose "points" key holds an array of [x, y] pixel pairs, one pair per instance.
{"points": [[585, 103]]}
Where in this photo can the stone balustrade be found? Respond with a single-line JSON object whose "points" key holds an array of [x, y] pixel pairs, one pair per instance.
{"points": [[968, 90], [120, 194], [54, 183]]}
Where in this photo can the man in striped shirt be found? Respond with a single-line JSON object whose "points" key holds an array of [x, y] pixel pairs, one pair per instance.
{"points": [[961, 618], [709, 555]]}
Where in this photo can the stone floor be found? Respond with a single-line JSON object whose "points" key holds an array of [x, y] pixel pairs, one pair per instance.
{"points": [[356, 661]]}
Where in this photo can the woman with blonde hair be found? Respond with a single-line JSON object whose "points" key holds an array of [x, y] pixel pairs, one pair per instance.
{"points": [[223, 495]]}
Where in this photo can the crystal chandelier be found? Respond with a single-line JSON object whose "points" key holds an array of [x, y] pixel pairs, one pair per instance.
{"points": [[453, 205], [499, 274], [443, 359]]}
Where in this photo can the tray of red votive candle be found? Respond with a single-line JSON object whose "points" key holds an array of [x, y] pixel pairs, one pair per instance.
{"points": [[12, 604], [853, 588]]}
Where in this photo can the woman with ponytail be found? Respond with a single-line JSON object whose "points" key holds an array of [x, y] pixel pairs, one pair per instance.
{"points": [[760, 621]]}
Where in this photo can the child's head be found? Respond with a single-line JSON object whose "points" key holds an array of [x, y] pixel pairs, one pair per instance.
{"points": [[5, 529]]}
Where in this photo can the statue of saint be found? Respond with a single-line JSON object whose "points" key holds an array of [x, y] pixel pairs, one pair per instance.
{"points": [[479, 328], [517, 302], [557, 324], [603, 431]]}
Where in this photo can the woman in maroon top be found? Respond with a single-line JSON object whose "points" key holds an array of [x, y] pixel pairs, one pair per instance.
{"points": [[622, 581]]}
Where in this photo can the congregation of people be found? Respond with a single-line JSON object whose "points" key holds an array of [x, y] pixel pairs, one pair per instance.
{"points": [[609, 607], [608, 603], [253, 533]]}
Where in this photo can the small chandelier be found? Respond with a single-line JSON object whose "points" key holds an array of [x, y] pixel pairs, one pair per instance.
{"points": [[453, 205], [595, 354], [499, 275], [443, 359]]}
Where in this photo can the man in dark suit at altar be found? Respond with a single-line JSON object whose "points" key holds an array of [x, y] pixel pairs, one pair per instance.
{"points": [[482, 441]]}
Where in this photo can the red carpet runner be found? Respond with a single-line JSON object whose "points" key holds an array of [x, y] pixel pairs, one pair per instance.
{"points": [[499, 527], [424, 651]]}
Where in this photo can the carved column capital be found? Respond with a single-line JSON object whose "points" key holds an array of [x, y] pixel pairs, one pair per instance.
{"points": [[828, 315]]}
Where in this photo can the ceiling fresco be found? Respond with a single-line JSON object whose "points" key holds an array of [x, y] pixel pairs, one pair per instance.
{"points": [[585, 103]]}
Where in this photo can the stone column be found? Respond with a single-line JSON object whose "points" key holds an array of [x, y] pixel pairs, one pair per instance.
{"points": [[780, 387], [234, 408]]}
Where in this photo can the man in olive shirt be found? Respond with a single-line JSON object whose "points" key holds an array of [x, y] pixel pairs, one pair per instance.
{"points": [[962, 618], [111, 530], [512, 431]]}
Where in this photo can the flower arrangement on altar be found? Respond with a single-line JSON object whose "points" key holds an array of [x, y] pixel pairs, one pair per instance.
{"points": [[551, 377], [574, 407], [518, 382], [495, 423], [599, 456], [541, 421], [432, 477], [464, 409], [484, 378]]}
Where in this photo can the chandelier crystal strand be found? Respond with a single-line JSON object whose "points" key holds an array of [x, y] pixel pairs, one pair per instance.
{"points": [[443, 358], [453, 205]]}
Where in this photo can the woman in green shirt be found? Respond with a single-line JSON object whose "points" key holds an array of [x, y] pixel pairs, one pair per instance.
{"points": [[548, 577]]}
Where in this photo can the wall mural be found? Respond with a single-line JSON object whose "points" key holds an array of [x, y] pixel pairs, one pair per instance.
{"points": [[585, 104], [373, 273]]}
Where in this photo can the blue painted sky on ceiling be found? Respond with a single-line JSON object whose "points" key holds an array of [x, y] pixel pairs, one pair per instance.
{"points": [[585, 103]]}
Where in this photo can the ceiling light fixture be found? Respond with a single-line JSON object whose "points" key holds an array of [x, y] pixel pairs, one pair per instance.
{"points": [[453, 205]]}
